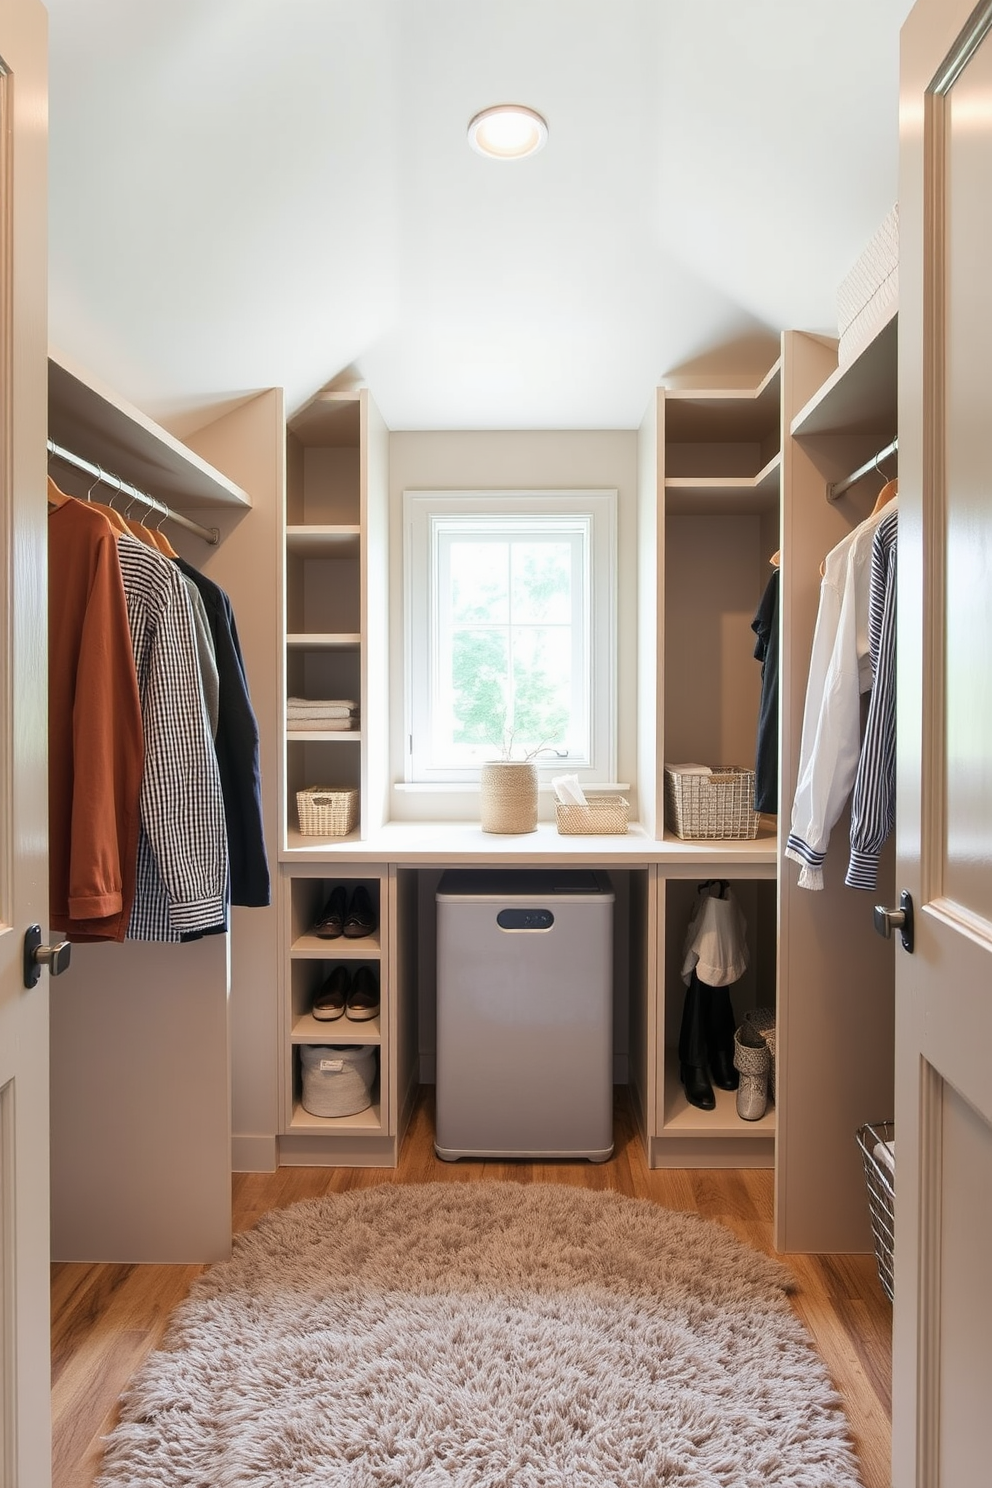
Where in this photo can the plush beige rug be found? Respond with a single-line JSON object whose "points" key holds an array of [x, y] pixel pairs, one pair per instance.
{"points": [[484, 1335]]}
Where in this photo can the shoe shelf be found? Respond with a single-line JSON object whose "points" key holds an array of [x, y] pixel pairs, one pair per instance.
{"points": [[310, 959], [310, 947], [682, 1119], [368, 1121]]}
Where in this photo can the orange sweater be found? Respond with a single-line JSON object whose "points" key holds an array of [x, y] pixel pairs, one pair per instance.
{"points": [[96, 747]]}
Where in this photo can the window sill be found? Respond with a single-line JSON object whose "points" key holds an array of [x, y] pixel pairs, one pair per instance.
{"points": [[464, 788]]}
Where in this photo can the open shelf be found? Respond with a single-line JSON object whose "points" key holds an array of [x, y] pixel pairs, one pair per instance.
{"points": [[682, 1119], [328, 736], [90, 420], [325, 640], [860, 397], [369, 1120], [743, 413], [313, 948], [724, 496], [324, 541], [339, 1031]]}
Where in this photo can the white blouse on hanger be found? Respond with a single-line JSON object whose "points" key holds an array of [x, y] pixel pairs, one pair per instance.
{"points": [[840, 671]]}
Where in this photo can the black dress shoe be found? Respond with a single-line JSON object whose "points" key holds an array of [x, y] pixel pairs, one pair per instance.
{"points": [[330, 921], [363, 996], [329, 1000], [360, 919], [698, 1090]]}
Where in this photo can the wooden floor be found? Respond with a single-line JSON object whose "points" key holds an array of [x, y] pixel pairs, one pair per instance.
{"points": [[106, 1318]]}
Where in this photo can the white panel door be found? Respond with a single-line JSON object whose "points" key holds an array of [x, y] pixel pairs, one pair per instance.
{"points": [[942, 1366], [25, 1367]]}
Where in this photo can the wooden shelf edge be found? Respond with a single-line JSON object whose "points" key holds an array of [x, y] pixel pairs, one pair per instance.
{"points": [[87, 417]]}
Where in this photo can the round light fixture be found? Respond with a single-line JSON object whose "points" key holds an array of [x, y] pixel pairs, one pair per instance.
{"points": [[507, 131]]}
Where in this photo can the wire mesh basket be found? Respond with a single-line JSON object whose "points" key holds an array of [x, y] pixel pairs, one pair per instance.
{"points": [[877, 1142], [717, 805], [601, 816], [325, 811]]}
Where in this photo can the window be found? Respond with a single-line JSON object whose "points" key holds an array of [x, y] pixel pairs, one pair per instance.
{"points": [[510, 631]]}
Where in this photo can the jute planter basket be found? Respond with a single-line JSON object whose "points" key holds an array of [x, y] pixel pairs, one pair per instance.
{"points": [[508, 796]]}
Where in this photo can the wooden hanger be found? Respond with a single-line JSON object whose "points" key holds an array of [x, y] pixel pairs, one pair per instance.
{"points": [[776, 559], [56, 498], [162, 542], [885, 495]]}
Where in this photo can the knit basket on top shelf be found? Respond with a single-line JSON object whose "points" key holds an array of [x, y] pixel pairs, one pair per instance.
{"points": [[325, 811], [720, 804]]}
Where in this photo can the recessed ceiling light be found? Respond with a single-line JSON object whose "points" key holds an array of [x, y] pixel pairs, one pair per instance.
{"points": [[507, 131]]}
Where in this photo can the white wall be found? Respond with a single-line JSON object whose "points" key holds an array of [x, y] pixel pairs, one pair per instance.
{"points": [[500, 461]]}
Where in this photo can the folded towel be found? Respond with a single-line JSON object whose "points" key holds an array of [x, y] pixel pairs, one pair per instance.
{"points": [[690, 769], [322, 725], [330, 707]]}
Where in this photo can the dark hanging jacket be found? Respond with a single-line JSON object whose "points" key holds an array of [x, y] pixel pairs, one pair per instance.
{"points": [[237, 748]]}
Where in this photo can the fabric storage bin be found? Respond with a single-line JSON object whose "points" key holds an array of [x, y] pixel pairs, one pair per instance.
{"points": [[869, 295], [337, 1081]]}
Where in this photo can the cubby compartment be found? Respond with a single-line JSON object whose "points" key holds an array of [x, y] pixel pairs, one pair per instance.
{"points": [[324, 669], [716, 569], [723, 445], [754, 989], [368, 1120], [307, 898]]}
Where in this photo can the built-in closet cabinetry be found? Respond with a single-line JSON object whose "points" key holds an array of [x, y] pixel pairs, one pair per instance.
{"points": [[710, 469], [336, 617], [836, 976], [140, 1031]]}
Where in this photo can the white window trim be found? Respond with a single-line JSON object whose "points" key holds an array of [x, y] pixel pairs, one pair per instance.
{"points": [[420, 507]]}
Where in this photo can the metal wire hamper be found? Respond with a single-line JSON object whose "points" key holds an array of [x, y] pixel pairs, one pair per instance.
{"points": [[881, 1180], [716, 805], [325, 811], [601, 816]]}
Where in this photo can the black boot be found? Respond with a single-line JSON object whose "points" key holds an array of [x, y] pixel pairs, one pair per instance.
{"points": [[692, 1047], [720, 1030]]}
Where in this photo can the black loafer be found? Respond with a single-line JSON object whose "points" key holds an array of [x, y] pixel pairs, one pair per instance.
{"points": [[330, 999], [363, 998], [330, 921], [360, 919]]}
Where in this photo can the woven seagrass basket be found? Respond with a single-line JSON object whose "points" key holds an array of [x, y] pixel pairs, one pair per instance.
{"points": [[325, 811], [603, 816], [717, 805], [508, 796]]}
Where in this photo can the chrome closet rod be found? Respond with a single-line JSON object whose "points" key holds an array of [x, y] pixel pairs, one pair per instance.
{"points": [[837, 488], [124, 488]]}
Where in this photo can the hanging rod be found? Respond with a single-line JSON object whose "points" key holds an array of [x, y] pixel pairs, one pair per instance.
{"points": [[837, 488], [124, 488]]}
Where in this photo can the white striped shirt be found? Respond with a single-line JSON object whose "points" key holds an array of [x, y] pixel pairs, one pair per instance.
{"points": [[840, 671], [874, 802]]}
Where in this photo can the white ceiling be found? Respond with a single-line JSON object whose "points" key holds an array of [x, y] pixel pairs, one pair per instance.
{"points": [[256, 193]]}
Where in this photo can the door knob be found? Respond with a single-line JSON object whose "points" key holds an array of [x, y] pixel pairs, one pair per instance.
{"points": [[901, 919], [36, 955]]}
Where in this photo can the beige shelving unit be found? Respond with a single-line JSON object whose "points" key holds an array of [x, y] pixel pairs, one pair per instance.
{"points": [[709, 522], [836, 1014], [335, 608]]}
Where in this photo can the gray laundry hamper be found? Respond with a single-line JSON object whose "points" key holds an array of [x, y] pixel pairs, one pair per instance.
{"points": [[337, 1081]]}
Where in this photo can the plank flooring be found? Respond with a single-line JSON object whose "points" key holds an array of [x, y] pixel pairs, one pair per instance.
{"points": [[106, 1318]]}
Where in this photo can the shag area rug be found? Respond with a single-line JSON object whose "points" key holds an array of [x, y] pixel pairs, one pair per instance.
{"points": [[484, 1335]]}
